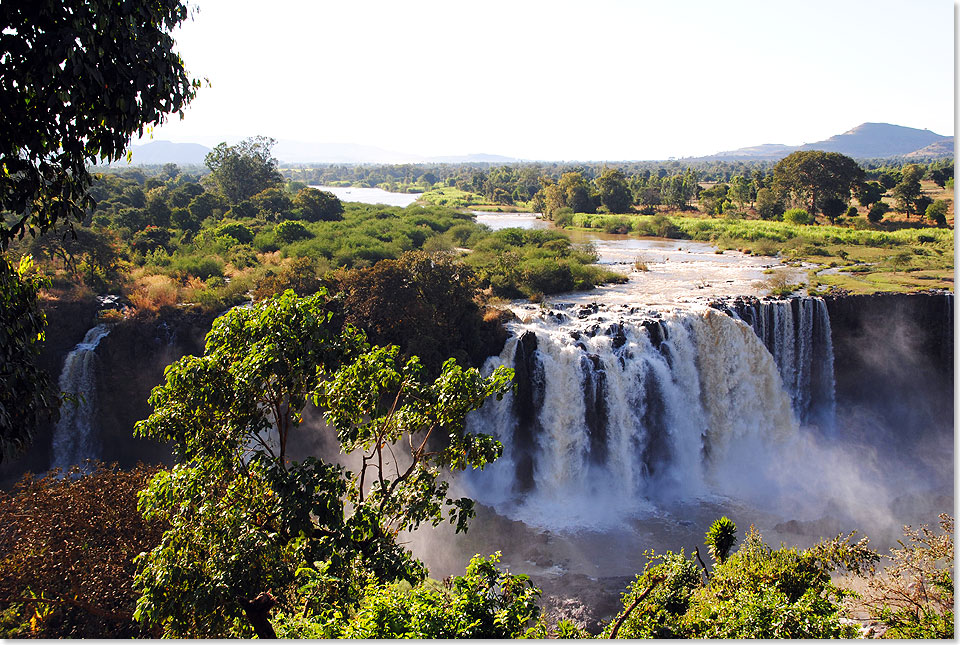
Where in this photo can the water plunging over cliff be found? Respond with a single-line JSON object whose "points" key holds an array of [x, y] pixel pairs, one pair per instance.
{"points": [[619, 409], [74, 438]]}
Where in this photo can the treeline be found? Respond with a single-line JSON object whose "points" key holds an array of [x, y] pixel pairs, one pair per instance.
{"points": [[519, 183]]}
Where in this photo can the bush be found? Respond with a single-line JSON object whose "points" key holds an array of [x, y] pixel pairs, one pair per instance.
{"points": [[153, 292], [877, 211], [796, 216], [202, 267], [563, 217], [937, 212], [290, 231], [237, 231]]}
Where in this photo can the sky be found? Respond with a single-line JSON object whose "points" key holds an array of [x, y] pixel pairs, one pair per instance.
{"points": [[558, 80]]}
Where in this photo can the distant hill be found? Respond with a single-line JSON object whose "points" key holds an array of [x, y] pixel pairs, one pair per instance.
{"points": [[161, 152], [303, 152], [941, 148], [866, 141]]}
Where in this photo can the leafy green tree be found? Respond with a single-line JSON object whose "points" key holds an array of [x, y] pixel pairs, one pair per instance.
{"points": [[27, 396], [741, 191], [877, 211], [769, 205], [205, 205], [239, 172], [318, 205], [833, 207], [244, 518], [272, 204], [678, 190], [813, 176], [614, 194], [868, 193], [908, 192], [79, 78], [576, 192]]}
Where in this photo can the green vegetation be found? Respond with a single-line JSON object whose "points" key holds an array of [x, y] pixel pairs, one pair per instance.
{"points": [[244, 520], [533, 263]]}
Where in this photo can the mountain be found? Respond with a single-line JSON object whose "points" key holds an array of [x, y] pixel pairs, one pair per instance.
{"points": [[161, 152], [866, 141], [877, 140]]}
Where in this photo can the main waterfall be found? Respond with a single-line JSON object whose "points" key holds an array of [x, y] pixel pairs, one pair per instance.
{"points": [[618, 410]]}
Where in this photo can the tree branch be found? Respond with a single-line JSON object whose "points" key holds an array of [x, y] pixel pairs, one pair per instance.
{"points": [[616, 627]]}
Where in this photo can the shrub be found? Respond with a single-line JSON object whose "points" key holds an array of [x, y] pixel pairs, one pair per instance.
{"points": [[153, 292], [563, 217], [796, 216], [877, 211], [290, 231], [937, 212], [237, 231], [184, 266]]}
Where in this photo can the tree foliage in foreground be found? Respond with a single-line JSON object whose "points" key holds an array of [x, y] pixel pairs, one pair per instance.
{"points": [[244, 518], [79, 78], [914, 597], [756, 592], [26, 395], [484, 603], [67, 546]]}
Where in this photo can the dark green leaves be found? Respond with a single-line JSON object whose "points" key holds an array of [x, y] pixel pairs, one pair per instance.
{"points": [[79, 78]]}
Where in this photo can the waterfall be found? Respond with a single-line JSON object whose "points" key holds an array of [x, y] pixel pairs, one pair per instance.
{"points": [[615, 409], [797, 334], [74, 438]]}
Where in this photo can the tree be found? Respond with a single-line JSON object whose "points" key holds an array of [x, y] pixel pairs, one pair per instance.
{"points": [[244, 518], [768, 204], [908, 192], [79, 78], [318, 205], [27, 394], [614, 194], [868, 193], [813, 176], [239, 172], [272, 204], [576, 192], [741, 191]]}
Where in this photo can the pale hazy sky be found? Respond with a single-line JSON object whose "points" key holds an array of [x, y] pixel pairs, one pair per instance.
{"points": [[589, 80]]}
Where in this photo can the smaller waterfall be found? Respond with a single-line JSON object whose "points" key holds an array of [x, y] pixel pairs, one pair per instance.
{"points": [[797, 334], [74, 439]]}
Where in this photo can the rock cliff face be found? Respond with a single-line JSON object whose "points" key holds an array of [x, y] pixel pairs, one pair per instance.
{"points": [[894, 357], [132, 358]]}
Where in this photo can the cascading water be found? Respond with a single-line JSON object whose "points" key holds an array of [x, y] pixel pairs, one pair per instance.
{"points": [[74, 439], [797, 334], [618, 410]]}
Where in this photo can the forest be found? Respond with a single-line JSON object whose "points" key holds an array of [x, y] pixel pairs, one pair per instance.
{"points": [[372, 322]]}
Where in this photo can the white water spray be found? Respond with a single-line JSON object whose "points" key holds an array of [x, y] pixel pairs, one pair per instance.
{"points": [[620, 410]]}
